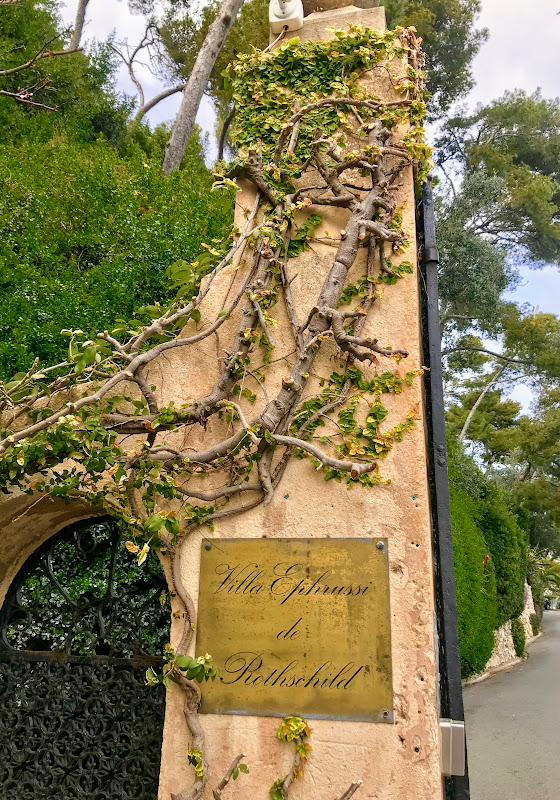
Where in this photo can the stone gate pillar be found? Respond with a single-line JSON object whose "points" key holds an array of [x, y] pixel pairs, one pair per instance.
{"points": [[398, 759]]}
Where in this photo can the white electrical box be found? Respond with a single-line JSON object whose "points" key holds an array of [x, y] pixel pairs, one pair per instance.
{"points": [[285, 14], [453, 750]]}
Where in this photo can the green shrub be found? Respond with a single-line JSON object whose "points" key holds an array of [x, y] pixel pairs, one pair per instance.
{"points": [[536, 624], [535, 581], [88, 223], [475, 584], [518, 636], [508, 545], [86, 235]]}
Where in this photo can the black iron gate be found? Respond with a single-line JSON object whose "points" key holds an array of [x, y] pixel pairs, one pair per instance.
{"points": [[79, 627], [450, 690]]}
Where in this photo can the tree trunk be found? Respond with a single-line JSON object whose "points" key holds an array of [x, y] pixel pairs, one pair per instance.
{"points": [[495, 377], [197, 83], [78, 25]]}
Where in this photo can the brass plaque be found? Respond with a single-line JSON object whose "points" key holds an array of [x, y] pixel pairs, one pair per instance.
{"points": [[297, 626]]}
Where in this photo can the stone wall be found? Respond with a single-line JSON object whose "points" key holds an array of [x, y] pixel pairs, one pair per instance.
{"points": [[400, 761], [527, 612], [395, 762], [503, 654]]}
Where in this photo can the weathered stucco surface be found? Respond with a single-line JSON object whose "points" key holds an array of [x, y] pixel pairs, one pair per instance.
{"points": [[528, 610], [395, 762]]}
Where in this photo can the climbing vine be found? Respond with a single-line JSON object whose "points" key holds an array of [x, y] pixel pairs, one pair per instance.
{"points": [[312, 136], [292, 729]]}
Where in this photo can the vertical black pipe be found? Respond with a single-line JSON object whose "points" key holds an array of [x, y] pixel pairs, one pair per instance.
{"points": [[451, 694]]}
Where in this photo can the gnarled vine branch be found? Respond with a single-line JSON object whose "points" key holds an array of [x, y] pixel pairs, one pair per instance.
{"points": [[97, 430]]}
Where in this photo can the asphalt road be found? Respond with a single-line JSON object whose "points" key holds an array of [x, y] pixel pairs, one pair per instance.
{"points": [[513, 725]]}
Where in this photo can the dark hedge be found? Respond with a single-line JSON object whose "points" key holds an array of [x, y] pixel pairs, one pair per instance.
{"points": [[490, 555]]}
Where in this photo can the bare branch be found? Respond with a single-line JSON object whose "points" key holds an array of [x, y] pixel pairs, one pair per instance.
{"points": [[143, 110], [295, 130], [25, 96], [294, 771], [354, 469], [289, 302], [186, 600], [350, 791], [262, 321], [45, 52], [217, 792], [492, 382], [226, 491], [350, 344], [190, 710], [41, 54], [499, 356]]}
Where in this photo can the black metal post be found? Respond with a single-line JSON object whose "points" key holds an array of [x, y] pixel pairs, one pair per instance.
{"points": [[451, 695]]}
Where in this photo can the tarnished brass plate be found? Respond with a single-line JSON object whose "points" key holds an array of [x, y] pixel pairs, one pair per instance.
{"points": [[297, 626]]}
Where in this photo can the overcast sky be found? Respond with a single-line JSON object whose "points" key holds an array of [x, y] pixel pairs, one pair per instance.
{"points": [[523, 52]]}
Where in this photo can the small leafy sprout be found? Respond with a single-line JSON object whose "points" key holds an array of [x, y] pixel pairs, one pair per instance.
{"points": [[239, 768], [181, 667], [195, 760], [276, 789], [292, 729]]}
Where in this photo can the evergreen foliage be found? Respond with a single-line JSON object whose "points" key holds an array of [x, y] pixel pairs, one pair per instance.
{"points": [[473, 272], [86, 236], [511, 147], [475, 581], [450, 41], [475, 584], [490, 551], [518, 636], [86, 229], [77, 86], [508, 545]]}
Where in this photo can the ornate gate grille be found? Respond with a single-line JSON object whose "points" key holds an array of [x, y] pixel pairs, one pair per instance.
{"points": [[78, 629]]}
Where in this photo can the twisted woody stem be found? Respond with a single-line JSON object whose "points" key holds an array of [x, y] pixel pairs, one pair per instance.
{"points": [[371, 205], [276, 414]]}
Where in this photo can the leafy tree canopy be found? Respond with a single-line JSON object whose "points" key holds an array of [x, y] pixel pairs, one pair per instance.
{"points": [[474, 271], [77, 86], [511, 146], [450, 41], [495, 426], [86, 232]]}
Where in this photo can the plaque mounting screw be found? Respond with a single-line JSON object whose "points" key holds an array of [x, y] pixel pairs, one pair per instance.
{"points": [[380, 546], [385, 713], [207, 546]]}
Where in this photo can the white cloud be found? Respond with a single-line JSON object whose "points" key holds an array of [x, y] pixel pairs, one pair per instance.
{"points": [[105, 17], [522, 52]]}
